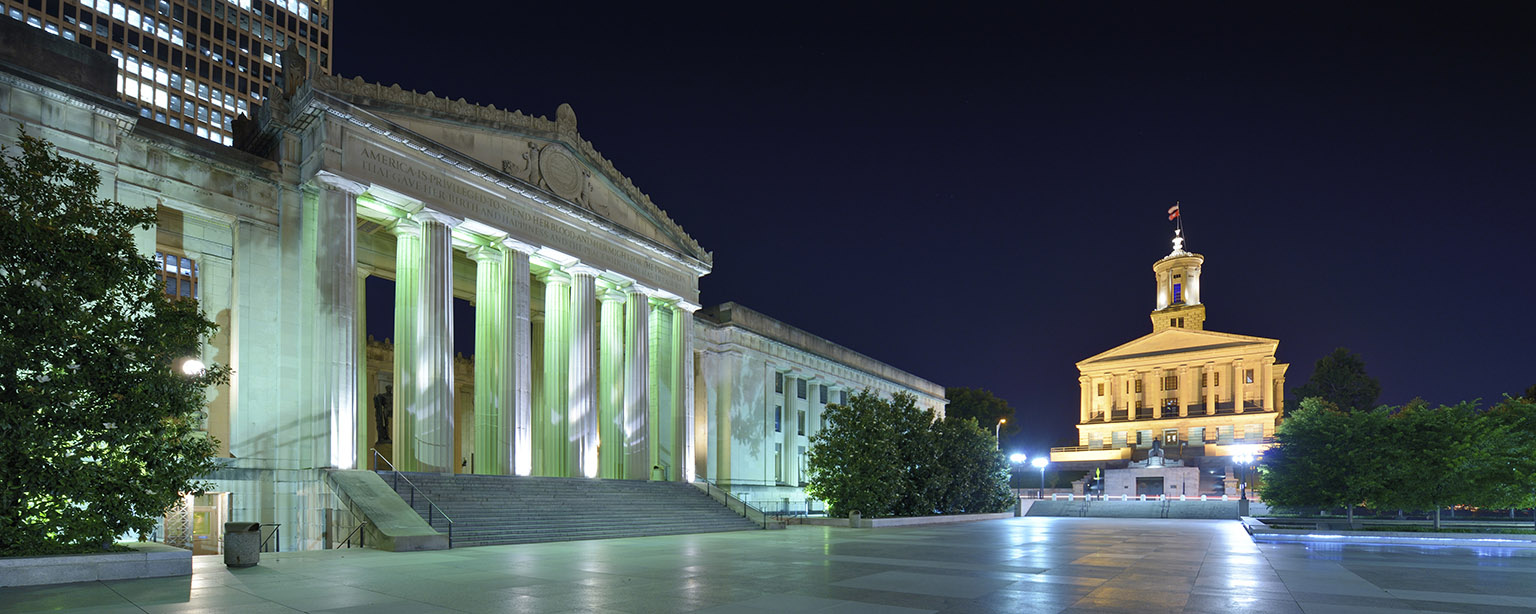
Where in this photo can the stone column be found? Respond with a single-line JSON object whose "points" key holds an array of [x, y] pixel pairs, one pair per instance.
{"points": [[1210, 374], [335, 328], [364, 400], [682, 348], [581, 454], [1193, 291], [1238, 385], [550, 426], [1085, 404], [1266, 368], [407, 305], [520, 356], [432, 412], [637, 385], [611, 376], [1162, 395], [1280, 394], [662, 392], [1184, 391], [493, 382], [1151, 393]]}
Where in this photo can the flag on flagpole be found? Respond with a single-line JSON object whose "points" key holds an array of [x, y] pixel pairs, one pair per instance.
{"points": [[1173, 213]]}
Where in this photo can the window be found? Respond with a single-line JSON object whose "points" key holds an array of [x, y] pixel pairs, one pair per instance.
{"points": [[178, 275], [1178, 292], [778, 383], [801, 430], [1248, 376], [778, 418], [843, 397], [800, 388], [1197, 435], [1171, 437], [1101, 390], [778, 462], [1180, 323], [1138, 386], [823, 395], [1170, 382], [1204, 380], [1216, 378]]}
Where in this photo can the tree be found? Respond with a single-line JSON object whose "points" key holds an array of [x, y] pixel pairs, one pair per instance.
{"points": [[892, 458], [1436, 455], [1339, 378], [854, 462], [98, 434], [1509, 480], [986, 408], [1326, 458]]}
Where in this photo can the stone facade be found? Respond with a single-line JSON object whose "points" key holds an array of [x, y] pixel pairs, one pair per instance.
{"points": [[584, 290]]}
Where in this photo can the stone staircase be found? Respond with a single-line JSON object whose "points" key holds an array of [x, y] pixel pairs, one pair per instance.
{"points": [[491, 510]]}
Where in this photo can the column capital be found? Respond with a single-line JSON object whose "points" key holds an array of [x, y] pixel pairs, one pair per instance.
{"points": [[364, 270], [337, 183], [612, 295], [554, 275], [1267, 360], [657, 301], [1084, 379], [641, 289], [687, 306], [429, 215], [519, 246], [405, 227], [584, 269], [487, 253]]}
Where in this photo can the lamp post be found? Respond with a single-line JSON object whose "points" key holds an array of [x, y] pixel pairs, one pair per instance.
{"points": [[1017, 458], [1243, 460], [997, 433], [1040, 462]]}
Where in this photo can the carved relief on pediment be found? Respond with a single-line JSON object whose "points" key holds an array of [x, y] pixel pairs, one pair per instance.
{"points": [[563, 175]]}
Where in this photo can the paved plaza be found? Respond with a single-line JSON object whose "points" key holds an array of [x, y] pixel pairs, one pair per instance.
{"points": [[1014, 565]]}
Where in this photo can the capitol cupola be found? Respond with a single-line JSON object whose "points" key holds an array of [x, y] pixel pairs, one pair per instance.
{"points": [[1178, 289]]}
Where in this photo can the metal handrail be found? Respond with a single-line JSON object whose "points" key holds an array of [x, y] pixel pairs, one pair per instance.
{"points": [[432, 506], [277, 546], [733, 503], [361, 535]]}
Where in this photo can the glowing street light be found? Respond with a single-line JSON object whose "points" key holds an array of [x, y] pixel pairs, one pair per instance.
{"points": [[1040, 462], [997, 432], [192, 367]]}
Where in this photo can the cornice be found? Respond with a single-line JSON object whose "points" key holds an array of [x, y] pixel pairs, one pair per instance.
{"points": [[563, 129]]}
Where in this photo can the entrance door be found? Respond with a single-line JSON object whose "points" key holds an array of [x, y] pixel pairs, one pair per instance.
{"points": [[1151, 487], [208, 512]]}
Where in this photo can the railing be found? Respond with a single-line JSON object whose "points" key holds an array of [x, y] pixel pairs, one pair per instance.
{"points": [[277, 542], [1220, 441], [431, 507], [359, 533], [1252, 496], [747, 510]]}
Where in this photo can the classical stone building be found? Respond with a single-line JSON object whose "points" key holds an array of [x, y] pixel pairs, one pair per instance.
{"points": [[1173, 408], [766, 385], [584, 291]]}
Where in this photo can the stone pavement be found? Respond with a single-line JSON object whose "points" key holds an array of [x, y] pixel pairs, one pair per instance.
{"points": [[1013, 565]]}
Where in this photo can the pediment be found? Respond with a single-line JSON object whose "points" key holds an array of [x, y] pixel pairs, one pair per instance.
{"points": [[1173, 341], [547, 155]]}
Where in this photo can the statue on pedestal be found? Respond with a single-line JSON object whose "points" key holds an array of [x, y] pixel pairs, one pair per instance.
{"points": [[383, 411]]}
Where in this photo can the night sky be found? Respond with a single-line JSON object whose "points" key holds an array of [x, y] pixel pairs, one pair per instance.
{"points": [[977, 197]]}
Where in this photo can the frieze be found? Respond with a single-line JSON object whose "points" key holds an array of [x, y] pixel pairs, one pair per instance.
{"points": [[368, 162], [563, 126]]}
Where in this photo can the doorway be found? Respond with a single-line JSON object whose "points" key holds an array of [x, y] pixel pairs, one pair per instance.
{"points": [[1151, 487]]}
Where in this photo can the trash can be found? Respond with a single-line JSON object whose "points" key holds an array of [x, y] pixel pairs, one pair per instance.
{"points": [[854, 518], [242, 544]]}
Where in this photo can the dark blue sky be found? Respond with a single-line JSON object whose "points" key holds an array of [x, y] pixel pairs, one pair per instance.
{"points": [[977, 196]]}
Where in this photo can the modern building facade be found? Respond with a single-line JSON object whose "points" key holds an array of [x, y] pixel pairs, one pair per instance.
{"points": [[589, 356], [1201, 398], [194, 65]]}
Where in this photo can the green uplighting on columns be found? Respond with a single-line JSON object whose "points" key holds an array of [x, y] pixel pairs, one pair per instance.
{"points": [[432, 410], [581, 425], [407, 289], [637, 385], [493, 384], [550, 428], [610, 402], [520, 368]]}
